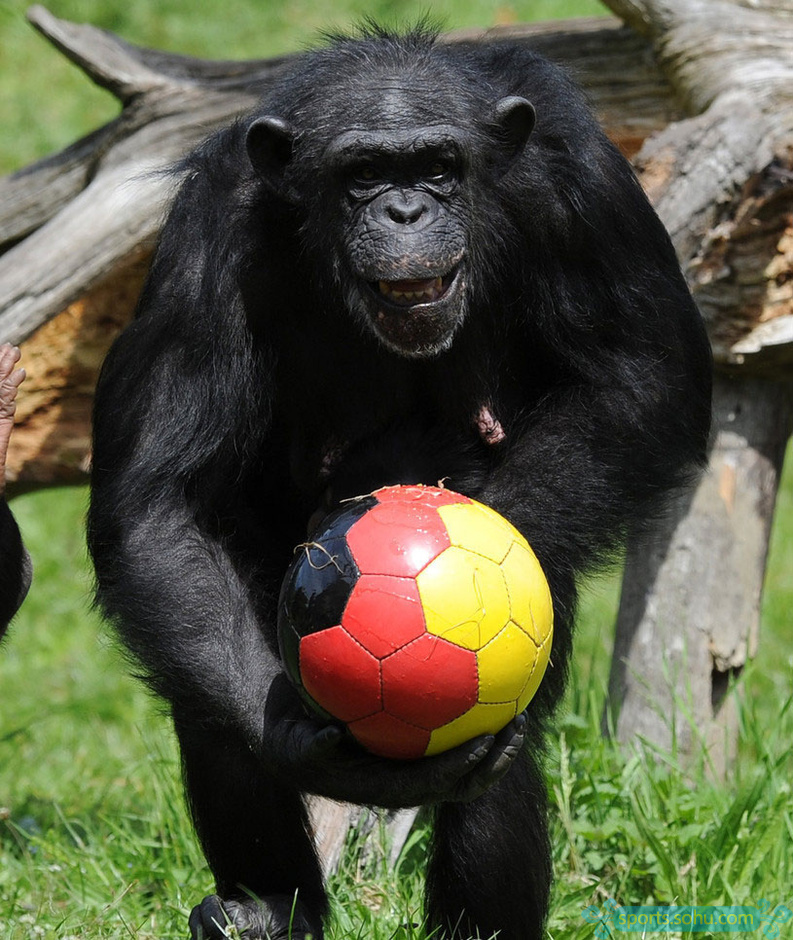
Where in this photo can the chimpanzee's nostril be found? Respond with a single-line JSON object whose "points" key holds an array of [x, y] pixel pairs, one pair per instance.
{"points": [[405, 215]]}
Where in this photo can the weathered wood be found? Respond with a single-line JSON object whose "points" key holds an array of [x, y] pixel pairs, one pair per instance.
{"points": [[690, 609], [152, 86], [332, 822], [732, 68], [52, 440], [742, 275], [722, 181]]}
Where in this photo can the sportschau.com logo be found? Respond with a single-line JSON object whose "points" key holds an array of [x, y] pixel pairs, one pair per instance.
{"points": [[688, 918]]}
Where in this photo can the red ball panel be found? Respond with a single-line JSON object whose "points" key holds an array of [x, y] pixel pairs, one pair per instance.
{"points": [[384, 613], [430, 682], [329, 655], [432, 496], [387, 736], [397, 538]]}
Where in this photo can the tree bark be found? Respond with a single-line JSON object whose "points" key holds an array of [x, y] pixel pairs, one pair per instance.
{"points": [[689, 614], [722, 182]]}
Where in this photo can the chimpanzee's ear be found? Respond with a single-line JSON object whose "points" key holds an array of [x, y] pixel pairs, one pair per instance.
{"points": [[269, 143], [514, 118]]}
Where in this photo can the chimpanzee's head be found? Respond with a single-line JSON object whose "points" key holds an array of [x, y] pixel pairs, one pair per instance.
{"points": [[385, 175]]}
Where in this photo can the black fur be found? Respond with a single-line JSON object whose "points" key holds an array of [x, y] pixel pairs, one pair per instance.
{"points": [[15, 567], [564, 380]]}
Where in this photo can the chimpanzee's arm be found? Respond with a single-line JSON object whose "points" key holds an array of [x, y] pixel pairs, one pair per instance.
{"points": [[182, 608], [626, 422], [15, 567], [579, 473]]}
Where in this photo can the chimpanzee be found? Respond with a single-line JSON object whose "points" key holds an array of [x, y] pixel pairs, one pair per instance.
{"points": [[415, 261], [15, 567]]}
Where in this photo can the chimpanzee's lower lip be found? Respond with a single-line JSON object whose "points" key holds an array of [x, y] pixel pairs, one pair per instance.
{"points": [[423, 328]]}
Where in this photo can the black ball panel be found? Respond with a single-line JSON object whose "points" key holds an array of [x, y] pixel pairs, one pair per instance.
{"points": [[318, 582], [317, 585]]}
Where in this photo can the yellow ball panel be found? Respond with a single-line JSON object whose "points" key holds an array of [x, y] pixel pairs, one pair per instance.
{"points": [[505, 664], [498, 520], [530, 597], [464, 598], [543, 656], [479, 529], [481, 719]]}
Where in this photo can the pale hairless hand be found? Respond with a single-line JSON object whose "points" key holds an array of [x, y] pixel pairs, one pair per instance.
{"points": [[10, 380]]}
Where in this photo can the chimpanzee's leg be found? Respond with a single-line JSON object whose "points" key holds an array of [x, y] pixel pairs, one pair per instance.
{"points": [[254, 834], [490, 872]]}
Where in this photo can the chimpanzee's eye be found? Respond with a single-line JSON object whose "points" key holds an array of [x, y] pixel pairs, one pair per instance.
{"points": [[439, 170], [366, 173]]}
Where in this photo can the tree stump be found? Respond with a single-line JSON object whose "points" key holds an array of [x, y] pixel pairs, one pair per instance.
{"points": [[689, 613], [722, 182]]}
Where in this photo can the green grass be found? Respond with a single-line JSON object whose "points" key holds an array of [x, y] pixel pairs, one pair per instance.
{"points": [[94, 837], [36, 122]]}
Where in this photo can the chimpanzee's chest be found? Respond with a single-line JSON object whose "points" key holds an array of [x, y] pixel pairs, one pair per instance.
{"points": [[421, 438], [365, 417]]}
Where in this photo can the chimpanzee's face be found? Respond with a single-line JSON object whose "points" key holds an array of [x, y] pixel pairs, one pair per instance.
{"points": [[404, 223], [392, 204]]}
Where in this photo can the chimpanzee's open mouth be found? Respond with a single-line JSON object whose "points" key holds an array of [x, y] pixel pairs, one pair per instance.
{"points": [[416, 316], [412, 292]]}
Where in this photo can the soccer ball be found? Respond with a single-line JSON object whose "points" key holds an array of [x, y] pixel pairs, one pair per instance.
{"points": [[419, 618]]}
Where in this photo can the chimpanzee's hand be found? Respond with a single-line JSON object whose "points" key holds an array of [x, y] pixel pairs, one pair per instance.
{"points": [[322, 759]]}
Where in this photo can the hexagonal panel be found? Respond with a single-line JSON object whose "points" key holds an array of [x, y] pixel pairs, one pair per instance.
{"points": [[481, 719], [388, 736], [384, 613], [397, 539], [530, 598], [498, 520], [479, 529], [505, 665], [340, 675], [429, 682], [465, 598]]}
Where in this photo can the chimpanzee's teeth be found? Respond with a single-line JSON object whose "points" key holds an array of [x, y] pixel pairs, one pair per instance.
{"points": [[412, 292]]}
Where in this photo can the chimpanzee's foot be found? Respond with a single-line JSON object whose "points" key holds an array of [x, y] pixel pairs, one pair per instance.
{"points": [[277, 917]]}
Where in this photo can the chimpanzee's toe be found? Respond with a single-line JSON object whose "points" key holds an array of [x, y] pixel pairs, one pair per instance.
{"points": [[277, 917]]}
